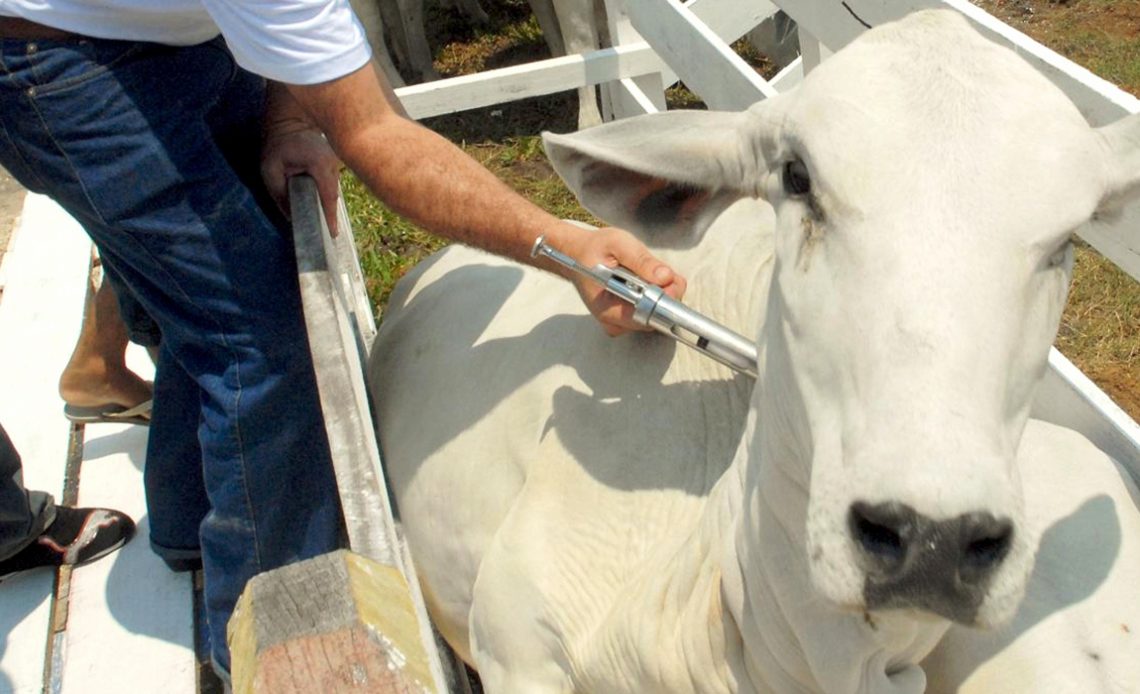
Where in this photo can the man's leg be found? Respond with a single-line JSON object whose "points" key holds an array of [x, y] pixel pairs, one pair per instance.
{"points": [[123, 137], [36, 533], [23, 514], [96, 384]]}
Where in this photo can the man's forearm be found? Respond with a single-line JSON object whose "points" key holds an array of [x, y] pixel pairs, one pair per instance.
{"points": [[420, 174], [432, 182]]}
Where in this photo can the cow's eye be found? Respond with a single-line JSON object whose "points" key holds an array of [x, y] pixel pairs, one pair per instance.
{"points": [[796, 179]]}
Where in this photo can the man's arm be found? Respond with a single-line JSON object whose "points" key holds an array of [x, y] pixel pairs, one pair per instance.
{"points": [[436, 185]]}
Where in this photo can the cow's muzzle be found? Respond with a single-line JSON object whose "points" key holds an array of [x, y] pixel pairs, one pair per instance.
{"points": [[910, 561]]}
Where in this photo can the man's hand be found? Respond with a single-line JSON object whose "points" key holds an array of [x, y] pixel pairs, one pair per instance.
{"points": [[302, 150], [612, 247], [293, 144]]}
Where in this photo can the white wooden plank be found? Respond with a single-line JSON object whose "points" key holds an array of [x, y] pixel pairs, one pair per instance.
{"points": [[352, 279], [812, 51], [4, 257], [1118, 240], [1100, 101], [617, 99], [40, 314], [790, 76], [728, 19], [731, 19], [700, 58], [130, 624], [523, 81], [1068, 398], [636, 100], [570, 72]]}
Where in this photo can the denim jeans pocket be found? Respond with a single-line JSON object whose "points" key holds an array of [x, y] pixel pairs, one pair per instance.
{"points": [[60, 65]]}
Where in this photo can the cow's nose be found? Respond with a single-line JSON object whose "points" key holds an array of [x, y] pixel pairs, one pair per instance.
{"points": [[913, 561]]}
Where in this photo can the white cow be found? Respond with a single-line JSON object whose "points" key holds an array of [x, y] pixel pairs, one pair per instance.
{"points": [[597, 515]]}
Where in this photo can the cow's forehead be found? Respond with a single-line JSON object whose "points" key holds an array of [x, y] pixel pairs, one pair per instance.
{"points": [[929, 105]]}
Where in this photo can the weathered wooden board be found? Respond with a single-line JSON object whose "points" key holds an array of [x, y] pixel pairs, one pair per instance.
{"points": [[1067, 397], [128, 603], [40, 311], [328, 294], [702, 60], [523, 81], [335, 623], [728, 19]]}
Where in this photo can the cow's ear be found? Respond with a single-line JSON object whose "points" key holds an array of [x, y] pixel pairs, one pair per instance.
{"points": [[1122, 140], [663, 176]]}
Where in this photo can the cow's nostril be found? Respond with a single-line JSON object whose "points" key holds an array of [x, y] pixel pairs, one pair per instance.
{"points": [[986, 543], [880, 533], [879, 539]]}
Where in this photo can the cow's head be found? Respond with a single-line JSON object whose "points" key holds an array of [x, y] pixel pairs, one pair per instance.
{"points": [[926, 184]]}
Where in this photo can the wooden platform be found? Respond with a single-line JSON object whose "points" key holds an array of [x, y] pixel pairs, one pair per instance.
{"points": [[123, 624]]}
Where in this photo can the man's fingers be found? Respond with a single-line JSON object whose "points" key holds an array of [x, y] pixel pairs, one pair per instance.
{"points": [[633, 254]]}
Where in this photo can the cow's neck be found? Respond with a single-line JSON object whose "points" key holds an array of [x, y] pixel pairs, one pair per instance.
{"points": [[790, 639], [668, 630]]}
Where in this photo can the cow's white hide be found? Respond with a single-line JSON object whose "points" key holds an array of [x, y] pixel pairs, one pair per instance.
{"points": [[1076, 630], [604, 515]]}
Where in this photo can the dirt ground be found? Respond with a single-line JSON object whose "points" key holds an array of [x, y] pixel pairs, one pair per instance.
{"points": [[11, 202]]}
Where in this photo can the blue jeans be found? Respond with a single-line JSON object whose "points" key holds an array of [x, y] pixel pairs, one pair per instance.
{"points": [[23, 514], [154, 149]]}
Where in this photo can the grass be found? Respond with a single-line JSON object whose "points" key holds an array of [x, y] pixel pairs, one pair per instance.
{"points": [[1100, 330]]}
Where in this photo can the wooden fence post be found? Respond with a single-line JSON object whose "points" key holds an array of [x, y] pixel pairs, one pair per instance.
{"points": [[292, 619]]}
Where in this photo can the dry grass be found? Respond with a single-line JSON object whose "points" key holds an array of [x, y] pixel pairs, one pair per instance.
{"points": [[1100, 330]]}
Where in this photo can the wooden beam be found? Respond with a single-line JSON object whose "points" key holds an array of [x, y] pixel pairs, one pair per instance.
{"points": [[729, 20], [333, 309], [356, 456], [702, 60], [335, 623], [1068, 398], [532, 79]]}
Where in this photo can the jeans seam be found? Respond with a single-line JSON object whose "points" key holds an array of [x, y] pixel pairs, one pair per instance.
{"points": [[235, 409], [70, 164], [241, 457], [79, 80]]}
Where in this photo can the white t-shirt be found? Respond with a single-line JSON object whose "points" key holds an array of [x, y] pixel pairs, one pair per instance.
{"points": [[292, 41]]}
